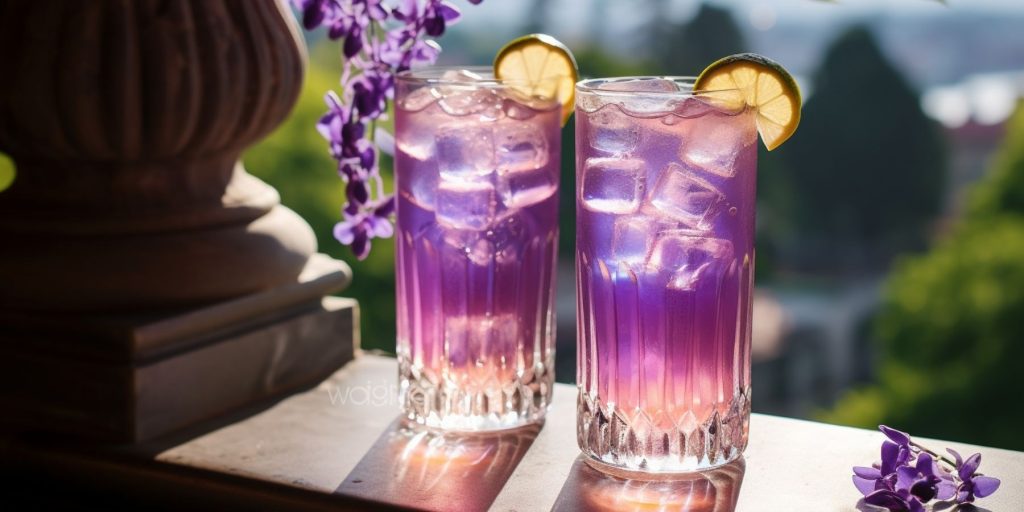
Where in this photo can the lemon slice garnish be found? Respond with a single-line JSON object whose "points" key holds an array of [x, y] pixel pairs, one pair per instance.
{"points": [[539, 65], [755, 81]]}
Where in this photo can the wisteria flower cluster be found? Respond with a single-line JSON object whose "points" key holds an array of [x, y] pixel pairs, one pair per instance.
{"points": [[379, 40], [910, 475]]}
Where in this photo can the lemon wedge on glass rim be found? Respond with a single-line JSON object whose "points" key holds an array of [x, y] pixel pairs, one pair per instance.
{"points": [[539, 65], [748, 79]]}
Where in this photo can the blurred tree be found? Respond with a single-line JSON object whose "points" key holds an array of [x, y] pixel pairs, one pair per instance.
{"points": [[295, 161], [1003, 190], [686, 49], [867, 168], [949, 329]]}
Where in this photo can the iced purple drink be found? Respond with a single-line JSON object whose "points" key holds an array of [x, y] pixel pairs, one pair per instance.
{"points": [[477, 172], [665, 259]]}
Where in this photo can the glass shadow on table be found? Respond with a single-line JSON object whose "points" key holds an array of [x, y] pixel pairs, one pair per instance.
{"points": [[424, 469], [715, 490]]}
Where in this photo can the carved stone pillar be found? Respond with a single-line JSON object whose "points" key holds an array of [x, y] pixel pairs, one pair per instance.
{"points": [[132, 236]]}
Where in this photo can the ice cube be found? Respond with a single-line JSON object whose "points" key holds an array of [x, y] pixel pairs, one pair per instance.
{"points": [[524, 188], [519, 147], [613, 185], [633, 237], [688, 256], [714, 142], [475, 246], [522, 154], [459, 100], [682, 195], [416, 145], [418, 99], [641, 85], [612, 131], [420, 188], [464, 151], [465, 204]]}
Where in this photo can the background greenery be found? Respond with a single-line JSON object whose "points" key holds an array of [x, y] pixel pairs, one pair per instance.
{"points": [[949, 330]]}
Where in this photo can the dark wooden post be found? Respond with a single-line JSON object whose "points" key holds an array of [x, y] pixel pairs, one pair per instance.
{"points": [[146, 280]]}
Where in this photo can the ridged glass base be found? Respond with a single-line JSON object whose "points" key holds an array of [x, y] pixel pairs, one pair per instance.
{"points": [[474, 407], [621, 443]]}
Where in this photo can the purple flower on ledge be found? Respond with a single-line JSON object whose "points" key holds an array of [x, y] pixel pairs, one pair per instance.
{"points": [[972, 484], [379, 39], [908, 476]]}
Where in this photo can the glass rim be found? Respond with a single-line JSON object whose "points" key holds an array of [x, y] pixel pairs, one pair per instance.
{"points": [[433, 76], [590, 86]]}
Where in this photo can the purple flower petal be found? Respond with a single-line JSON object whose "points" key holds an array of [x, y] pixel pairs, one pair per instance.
{"points": [[361, 246], [945, 490], [386, 207], [865, 472], [969, 466], [357, 192], [926, 465], [888, 499], [380, 227], [312, 16], [985, 485], [900, 438], [449, 12], [434, 26], [353, 43], [864, 485], [906, 476], [890, 456], [965, 493], [956, 456]]}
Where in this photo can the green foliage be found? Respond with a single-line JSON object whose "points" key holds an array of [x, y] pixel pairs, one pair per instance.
{"points": [[687, 49], [1003, 191], [295, 161], [949, 328], [6, 172], [867, 165]]}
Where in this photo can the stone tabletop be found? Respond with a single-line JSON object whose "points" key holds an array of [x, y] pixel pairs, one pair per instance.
{"points": [[342, 439]]}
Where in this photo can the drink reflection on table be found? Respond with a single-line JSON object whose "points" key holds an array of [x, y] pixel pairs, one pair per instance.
{"points": [[715, 490], [427, 469]]}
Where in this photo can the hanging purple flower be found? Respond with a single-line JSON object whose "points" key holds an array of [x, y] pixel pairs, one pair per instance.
{"points": [[357, 229], [378, 41]]}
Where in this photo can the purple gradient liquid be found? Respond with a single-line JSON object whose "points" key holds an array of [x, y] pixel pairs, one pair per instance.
{"points": [[665, 212], [477, 177]]}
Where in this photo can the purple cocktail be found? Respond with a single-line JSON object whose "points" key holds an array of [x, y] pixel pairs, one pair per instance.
{"points": [[665, 260], [477, 171]]}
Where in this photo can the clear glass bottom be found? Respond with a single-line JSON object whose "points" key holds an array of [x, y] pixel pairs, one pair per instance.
{"points": [[636, 447], [474, 408]]}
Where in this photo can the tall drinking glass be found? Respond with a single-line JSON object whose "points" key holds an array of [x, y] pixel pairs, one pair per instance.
{"points": [[477, 171], [665, 265]]}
